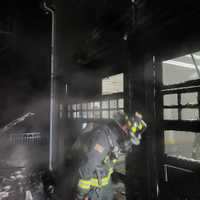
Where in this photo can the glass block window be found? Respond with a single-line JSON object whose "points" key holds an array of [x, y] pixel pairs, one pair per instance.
{"points": [[105, 104], [105, 114], [121, 103], [102, 108], [113, 104]]}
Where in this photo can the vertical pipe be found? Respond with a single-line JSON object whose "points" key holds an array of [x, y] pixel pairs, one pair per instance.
{"points": [[52, 95]]}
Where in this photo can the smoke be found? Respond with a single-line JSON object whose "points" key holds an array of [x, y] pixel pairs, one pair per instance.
{"points": [[40, 106]]}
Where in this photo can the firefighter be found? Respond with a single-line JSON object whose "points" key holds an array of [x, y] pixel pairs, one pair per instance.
{"points": [[107, 144]]}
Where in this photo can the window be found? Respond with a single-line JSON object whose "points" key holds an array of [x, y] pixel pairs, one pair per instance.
{"points": [[181, 109], [189, 98], [170, 99], [182, 144], [113, 84], [105, 105], [181, 106], [170, 114], [103, 108], [181, 69]]}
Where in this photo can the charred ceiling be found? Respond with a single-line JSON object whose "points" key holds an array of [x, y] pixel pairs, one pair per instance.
{"points": [[166, 28], [101, 25], [145, 24]]}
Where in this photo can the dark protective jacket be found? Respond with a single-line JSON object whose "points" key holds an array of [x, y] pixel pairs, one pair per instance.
{"points": [[96, 168]]}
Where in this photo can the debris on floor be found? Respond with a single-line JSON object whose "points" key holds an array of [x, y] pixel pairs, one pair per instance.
{"points": [[18, 184]]}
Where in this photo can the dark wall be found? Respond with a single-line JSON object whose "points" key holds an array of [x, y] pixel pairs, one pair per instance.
{"points": [[25, 64], [165, 33], [173, 27]]}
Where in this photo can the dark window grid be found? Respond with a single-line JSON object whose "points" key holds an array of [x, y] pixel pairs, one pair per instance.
{"points": [[185, 85], [112, 109], [78, 106], [80, 111], [69, 110], [102, 98], [198, 100], [74, 107], [117, 104], [109, 108], [112, 96], [69, 107], [108, 98], [103, 109], [189, 106], [100, 109], [93, 111], [105, 102], [179, 103], [114, 103], [180, 91], [181, 125], [68, 114], [87, 110], [180, 110]]}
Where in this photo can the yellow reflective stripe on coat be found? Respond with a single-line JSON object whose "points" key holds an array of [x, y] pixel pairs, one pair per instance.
{"points": [[114, 161], [133, 129], [140, 126], [84, 184], [104, 181], [137, 141]]}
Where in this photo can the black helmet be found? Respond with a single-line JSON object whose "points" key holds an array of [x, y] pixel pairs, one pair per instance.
{"points": [[120, 118]]}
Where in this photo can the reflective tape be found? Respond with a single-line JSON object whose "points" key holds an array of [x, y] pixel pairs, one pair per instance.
{"points": [[135, 141], [140, 126], [106, 159], [104, 181], [94, 182], [84, 184], [133, 129]]}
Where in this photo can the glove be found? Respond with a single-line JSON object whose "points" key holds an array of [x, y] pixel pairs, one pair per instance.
{"points": [[138, 124]]}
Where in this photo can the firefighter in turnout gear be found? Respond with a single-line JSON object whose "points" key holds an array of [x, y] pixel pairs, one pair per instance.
{"points": [[107, 144]]}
